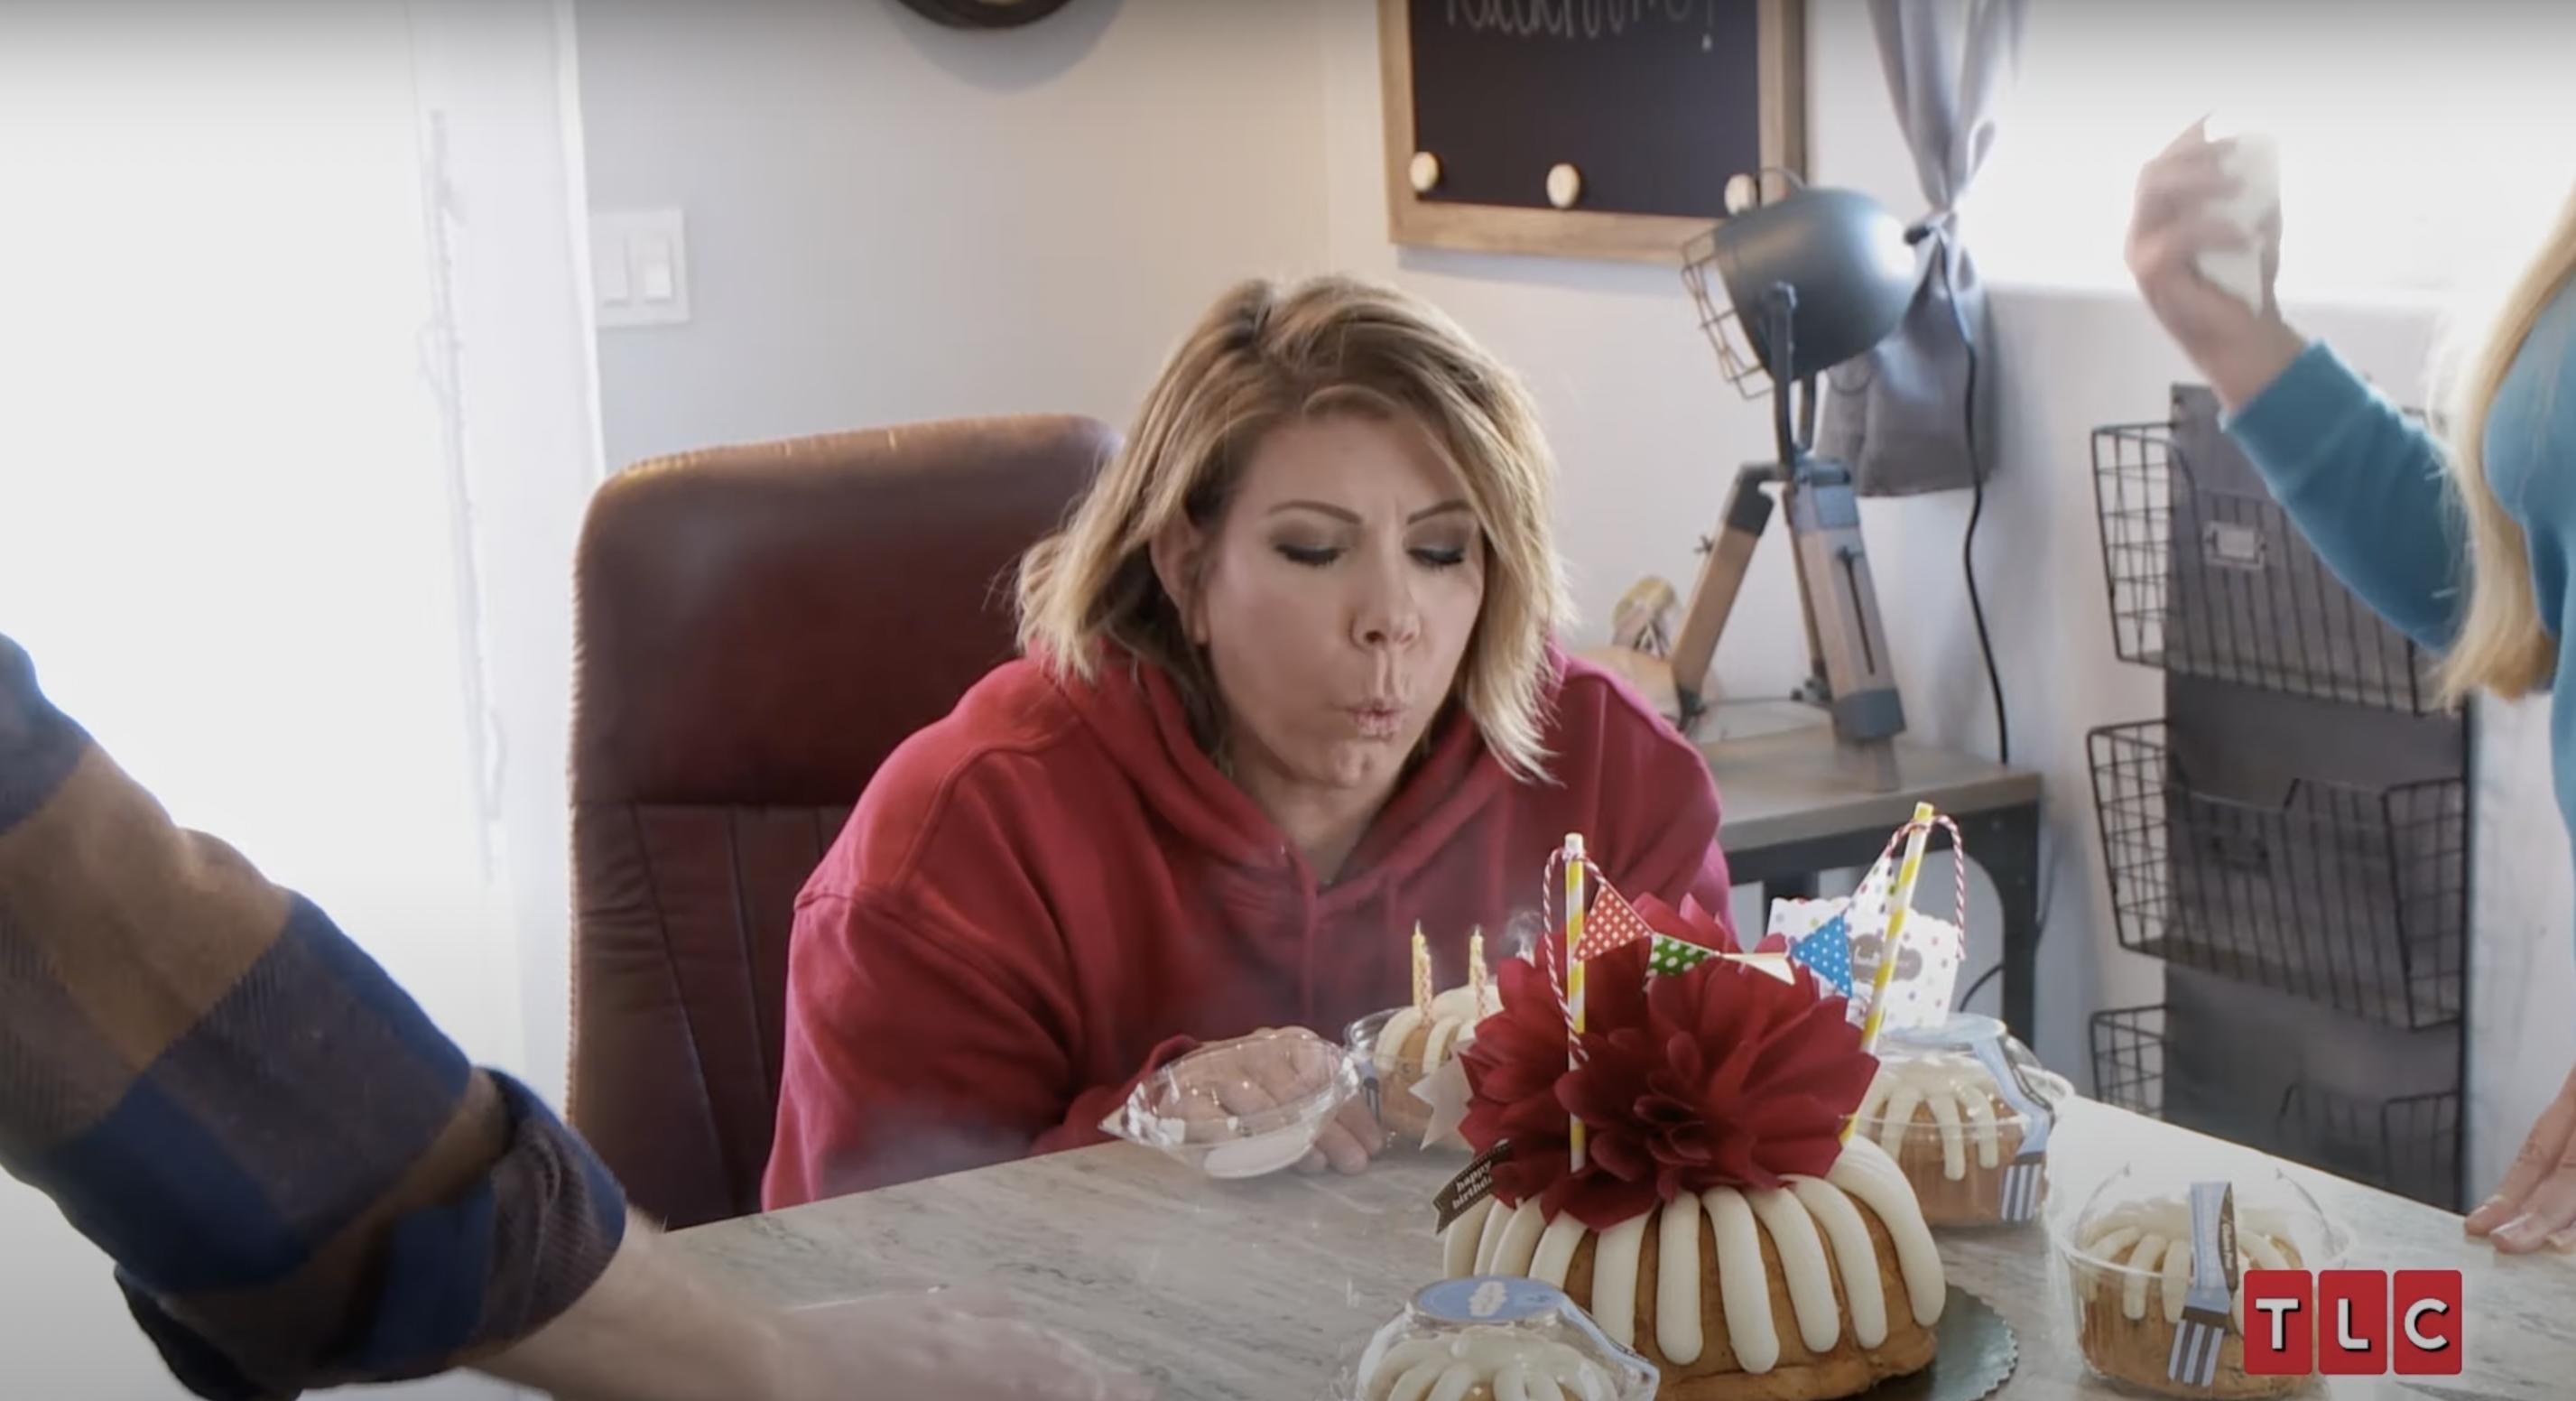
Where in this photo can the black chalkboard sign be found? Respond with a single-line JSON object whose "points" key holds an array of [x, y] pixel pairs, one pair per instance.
{"points": [[1645, 109], [1655, 102]]}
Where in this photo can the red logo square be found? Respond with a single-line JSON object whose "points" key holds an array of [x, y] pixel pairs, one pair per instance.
{"points": [[2425, 1323], [2352, 1323], [2280, 1323]]}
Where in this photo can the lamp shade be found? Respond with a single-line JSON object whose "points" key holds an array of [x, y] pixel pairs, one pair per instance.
{"points": [[1842, 254]]}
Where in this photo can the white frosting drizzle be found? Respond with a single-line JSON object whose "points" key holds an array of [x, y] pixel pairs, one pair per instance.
{"points": [[1864, 1291], [1677, 1281], [2142, 1261], [1458, 1243], [1743, 1290], [2267, 1256], [1803, 1221], [1517, 1366], [2151, 1242], [1391, 1038], [2177, 1279], [1802, 1265], [1490, 1239], [1614, 1279], [1556, 1250], [1454, 1015], [1959, 1092], [1867, 1172], [1519, 1243]]}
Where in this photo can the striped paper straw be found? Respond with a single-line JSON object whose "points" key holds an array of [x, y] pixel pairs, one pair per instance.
{"points": [[1574, 978], [1900, 903]]}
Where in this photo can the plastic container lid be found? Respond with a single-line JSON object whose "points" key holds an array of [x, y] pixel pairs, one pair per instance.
{"points": [[1362, 1037], [1963, 1052], [2114, 1252], [2158, 1199], [1495, 1331], [1241, 1108]]}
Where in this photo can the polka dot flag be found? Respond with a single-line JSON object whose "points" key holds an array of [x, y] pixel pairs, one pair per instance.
{"points": [[1610, 923], [1673, 956], [1828, 952]]}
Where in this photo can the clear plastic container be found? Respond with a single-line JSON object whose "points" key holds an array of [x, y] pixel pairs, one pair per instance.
{"points": [[1390, 1072], [1241, 1108], [1967, 1112], [2114, 1255], [1420, 1048], [1487, 1337]]}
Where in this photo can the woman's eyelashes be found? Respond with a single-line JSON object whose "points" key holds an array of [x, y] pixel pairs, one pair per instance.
{"points": [[1311, 556], [1429, 556]]}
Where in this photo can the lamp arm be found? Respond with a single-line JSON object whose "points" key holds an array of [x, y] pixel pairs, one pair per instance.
{"points": [[1780, 346]]}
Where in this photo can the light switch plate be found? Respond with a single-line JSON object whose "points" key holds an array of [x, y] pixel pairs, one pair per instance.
{"points": [[639, 260]]}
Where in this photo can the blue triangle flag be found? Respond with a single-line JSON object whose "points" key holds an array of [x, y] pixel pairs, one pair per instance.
{"points": [[1828, 952]]}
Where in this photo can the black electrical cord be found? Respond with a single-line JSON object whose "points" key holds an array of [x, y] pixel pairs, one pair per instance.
{"points": [[2040, 900], [1968, 566], [1978, 986]]}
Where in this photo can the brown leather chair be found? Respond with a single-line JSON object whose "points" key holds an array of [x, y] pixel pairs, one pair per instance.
{"points": [[756, 629]]}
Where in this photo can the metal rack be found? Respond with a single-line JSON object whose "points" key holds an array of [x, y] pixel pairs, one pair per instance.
{"points": [[2407, 1144], [2291, 837], [2211, 580], [2353, 897]]}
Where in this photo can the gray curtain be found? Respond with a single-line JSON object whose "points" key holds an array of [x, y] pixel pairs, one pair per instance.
{"points": [[1900, 414]]}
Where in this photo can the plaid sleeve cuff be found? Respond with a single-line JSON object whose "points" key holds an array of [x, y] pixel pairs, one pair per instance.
{"points": [[460, 1279]]}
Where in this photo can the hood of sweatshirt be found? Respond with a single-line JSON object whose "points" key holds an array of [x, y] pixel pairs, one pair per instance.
{"points": [[1136, 713]]}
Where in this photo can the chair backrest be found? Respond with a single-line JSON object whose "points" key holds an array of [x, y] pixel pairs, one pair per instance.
{"points": [[756, 629]]}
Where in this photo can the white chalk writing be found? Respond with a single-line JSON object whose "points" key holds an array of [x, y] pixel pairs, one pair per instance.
{"points": [[1573, 19]]}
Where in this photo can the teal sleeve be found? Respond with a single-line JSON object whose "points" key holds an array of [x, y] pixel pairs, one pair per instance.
{"points": [[2365, 484]]}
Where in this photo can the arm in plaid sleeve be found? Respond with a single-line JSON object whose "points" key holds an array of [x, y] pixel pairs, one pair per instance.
{"points": [[301, 1181]]}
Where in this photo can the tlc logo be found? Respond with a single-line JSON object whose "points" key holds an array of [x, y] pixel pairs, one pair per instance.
{"points": [[2352, 1323]]}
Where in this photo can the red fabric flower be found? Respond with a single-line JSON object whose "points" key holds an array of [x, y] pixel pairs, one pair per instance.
{"points": [[1720, 1076], [1692, 923]]}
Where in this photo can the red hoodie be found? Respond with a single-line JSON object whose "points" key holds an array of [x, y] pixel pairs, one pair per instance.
{"points": [[1051, 891]]}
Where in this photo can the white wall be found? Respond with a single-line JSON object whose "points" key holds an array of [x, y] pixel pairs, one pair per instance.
{"points": [[890, 221]]}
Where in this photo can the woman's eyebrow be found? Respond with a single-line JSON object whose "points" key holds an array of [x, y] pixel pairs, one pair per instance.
{"points": [[1341, 514], [1320, 508]]}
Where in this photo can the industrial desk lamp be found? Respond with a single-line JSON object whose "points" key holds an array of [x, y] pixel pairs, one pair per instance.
{"points": [[1811, 280]]}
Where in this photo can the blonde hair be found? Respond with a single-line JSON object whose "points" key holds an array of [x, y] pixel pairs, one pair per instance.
{"points": [[1268, 354], [2502, 646]]}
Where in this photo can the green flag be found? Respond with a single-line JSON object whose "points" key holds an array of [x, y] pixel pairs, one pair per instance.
{"points": [[1673, 955]]}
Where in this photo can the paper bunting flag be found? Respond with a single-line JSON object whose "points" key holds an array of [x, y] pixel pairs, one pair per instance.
{"points": [[1445, 1090], [1611, 922], [1828, 952], [1671, 956], [1927, 970]]}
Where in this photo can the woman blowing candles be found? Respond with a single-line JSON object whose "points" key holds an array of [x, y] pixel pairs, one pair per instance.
{"points": [[2464, 545], [1289, 686]]}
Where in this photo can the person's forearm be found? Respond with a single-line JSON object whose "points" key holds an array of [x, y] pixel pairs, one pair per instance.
{"points": [[651, 1329], [2244, 366]]}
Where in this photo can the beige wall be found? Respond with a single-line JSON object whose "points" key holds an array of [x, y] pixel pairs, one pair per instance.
{"points": [[891, 221]]}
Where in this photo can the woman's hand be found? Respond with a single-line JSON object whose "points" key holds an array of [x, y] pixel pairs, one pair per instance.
{"points": [[2536, 1206], [961, 1345], [2238, 347], [1269, 1068]]}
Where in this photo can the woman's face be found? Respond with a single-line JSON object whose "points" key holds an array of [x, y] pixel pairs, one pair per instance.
{"points": [[1334, 599]]}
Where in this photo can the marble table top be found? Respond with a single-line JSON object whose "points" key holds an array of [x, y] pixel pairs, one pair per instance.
{"points": [[1266, 1289]]}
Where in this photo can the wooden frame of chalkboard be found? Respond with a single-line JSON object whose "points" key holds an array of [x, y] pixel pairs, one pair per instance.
{"points": [[1779, 61]]}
